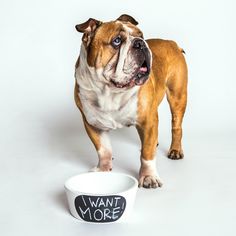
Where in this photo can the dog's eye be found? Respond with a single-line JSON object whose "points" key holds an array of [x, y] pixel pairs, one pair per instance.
{"points": [[116, 42]]}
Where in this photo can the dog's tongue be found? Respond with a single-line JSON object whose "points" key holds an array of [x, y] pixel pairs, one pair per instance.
{"points": [[143, 69]]}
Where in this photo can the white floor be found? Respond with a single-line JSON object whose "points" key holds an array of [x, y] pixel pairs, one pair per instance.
{"points": [[43, 142], [198, 196]]}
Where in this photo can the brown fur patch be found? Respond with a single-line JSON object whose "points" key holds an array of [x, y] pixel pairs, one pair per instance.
{"points": [[100, 50], [169, 74]]}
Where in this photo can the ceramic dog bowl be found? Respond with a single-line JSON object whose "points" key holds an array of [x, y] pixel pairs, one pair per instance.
{"points": [[101, 197]]}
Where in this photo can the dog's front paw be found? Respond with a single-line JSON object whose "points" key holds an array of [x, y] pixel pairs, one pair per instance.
{"points": [[148, 176], [175, 154], [150, 181]]}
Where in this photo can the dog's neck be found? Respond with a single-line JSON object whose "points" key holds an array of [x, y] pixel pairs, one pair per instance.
{"points": [[104, 106], [96, 90]]}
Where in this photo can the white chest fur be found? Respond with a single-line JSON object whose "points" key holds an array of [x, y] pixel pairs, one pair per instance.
{"points": [[104, 107], [107, 110]]}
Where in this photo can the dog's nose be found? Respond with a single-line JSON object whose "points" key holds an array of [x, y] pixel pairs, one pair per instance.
{"points": [[139, 44]]}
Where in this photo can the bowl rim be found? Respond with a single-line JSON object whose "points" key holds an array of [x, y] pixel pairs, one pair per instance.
{"points": [[134, 185]]}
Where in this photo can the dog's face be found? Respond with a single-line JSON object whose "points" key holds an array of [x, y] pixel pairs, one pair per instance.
{"points": [[117, 51]]}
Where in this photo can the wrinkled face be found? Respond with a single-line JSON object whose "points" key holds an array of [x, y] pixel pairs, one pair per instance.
{"points": [[117, 51]]}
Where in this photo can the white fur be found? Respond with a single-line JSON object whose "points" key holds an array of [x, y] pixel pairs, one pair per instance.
{"points": [[104, 154], [149, 165], [123, 55], [148, 174], [105, 142], [127, 28], [104, 107]]}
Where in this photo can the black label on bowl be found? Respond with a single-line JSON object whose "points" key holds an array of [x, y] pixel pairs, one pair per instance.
{"points": [[100, 208]]}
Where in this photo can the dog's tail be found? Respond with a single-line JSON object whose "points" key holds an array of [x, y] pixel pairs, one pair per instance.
{"points": [[182, 50]]}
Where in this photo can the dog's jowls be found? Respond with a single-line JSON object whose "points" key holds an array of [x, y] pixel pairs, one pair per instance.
{"points": [[120, 81]]}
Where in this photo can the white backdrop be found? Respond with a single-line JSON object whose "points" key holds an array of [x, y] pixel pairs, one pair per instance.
{"points": [[42, 140]]}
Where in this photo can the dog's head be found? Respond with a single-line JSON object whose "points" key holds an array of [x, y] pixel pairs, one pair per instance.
{"points": [[116, 51]]}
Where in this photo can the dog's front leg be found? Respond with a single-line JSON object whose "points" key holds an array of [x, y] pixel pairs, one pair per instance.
{"points": [[102, 144], [148, 132]]}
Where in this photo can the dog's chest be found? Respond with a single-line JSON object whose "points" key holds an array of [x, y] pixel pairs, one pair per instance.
{"points": [[106, 110]]}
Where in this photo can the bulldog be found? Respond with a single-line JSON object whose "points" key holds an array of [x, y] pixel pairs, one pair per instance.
{"points": [[120, 80]]}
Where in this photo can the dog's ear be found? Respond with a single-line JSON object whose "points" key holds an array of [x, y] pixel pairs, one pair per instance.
{"points": [[127, 18], [88, 28]]}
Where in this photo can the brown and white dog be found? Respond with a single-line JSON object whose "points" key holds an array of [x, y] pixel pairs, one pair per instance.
{"points": [[120, 81]]}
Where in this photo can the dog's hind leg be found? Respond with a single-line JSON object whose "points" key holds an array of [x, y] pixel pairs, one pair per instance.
{"points": [[177, 98]]}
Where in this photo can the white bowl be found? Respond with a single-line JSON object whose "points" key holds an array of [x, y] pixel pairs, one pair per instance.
{"points": [[101, 197]]}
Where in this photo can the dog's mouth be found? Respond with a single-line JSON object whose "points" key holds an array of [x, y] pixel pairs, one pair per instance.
{"points": [[142, 73], [140, 77]]}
